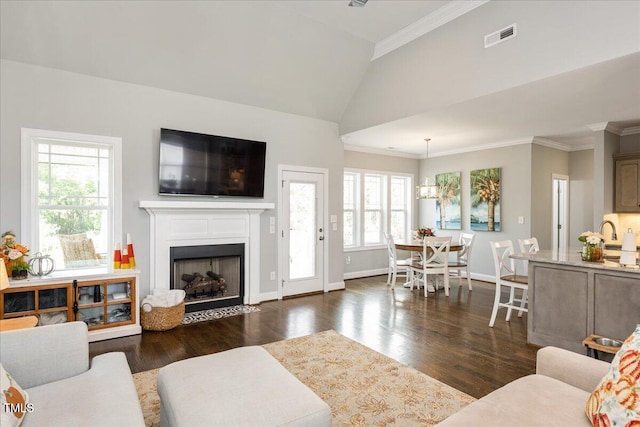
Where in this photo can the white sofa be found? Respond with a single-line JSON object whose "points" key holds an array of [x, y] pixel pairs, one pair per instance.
{"points": [[556, 395], [51, 363]]}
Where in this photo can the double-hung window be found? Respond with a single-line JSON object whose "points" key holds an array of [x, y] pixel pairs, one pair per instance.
{"points": [[375, 202], [72, 196]]}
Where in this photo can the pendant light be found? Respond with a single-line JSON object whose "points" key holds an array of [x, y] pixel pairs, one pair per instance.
{"points": [[428, 190]]}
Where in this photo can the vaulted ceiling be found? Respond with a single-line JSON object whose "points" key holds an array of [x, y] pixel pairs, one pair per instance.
{"points": [[390, 73]]}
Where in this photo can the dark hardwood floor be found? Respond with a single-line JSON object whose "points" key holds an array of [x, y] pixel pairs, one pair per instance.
{"points": [[446, 338]]}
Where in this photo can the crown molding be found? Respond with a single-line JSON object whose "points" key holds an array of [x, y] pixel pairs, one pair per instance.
{"points": [[438, 18], [499, 144], [551, 143], [381, 151], [630, 131], [596, 127]]}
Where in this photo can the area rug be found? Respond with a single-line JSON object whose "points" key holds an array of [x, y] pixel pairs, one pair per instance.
{"points": [[362, 386], [217, 313]]}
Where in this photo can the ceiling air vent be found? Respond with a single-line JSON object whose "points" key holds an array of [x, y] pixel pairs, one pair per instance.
{"points": [[500, 36]]}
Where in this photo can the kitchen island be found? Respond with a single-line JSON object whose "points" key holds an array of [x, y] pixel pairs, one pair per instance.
{"points": [[570, 299]]}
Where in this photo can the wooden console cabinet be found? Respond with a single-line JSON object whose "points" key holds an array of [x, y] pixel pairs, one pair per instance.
{"points": [[106, 302]]}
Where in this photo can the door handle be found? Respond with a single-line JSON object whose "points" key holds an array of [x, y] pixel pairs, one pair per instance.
{"points": [[321, 238]]}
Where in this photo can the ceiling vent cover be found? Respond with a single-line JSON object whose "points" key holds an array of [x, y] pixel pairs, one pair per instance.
{"points": [[501, 35]]}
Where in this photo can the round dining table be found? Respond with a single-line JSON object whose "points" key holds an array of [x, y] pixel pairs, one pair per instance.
{"points": [[416, 245]]}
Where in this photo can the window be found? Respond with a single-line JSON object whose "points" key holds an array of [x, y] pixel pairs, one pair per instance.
{"points": [[72, 196], [385, 205], [350, 210], [374, 204]]}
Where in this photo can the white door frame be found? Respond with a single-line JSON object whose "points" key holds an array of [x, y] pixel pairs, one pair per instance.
{"points": [[282, 259], [564, 221]]}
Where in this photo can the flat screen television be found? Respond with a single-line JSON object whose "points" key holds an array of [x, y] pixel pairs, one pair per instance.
{"points": [[207, 165]]}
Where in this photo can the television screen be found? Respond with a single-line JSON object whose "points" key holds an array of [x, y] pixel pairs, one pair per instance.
{"points": [[208, 165]]}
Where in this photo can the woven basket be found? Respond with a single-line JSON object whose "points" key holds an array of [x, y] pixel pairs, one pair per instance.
{"points": [[162, 318]]}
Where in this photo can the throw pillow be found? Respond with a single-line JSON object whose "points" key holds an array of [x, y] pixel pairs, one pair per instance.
{"points": [[14, 401], [616, 400]]}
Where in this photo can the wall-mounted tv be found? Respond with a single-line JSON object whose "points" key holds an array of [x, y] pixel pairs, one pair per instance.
{"points": [[207, 165]]}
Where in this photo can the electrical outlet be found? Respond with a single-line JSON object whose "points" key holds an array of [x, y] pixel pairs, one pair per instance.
{"points": [[520, 220], [348, 260], [273, 275]]}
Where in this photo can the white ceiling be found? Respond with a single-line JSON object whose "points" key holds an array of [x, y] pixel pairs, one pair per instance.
{"points": [[374, 22], [308, 58]]}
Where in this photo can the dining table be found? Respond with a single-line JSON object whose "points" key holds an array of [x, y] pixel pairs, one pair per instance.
{"points": [[415, 245]]}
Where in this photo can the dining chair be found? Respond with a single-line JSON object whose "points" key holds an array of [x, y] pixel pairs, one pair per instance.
{"points": [[463, 258], [506, 275], [397, 266], [435, 260], [528, 246]]}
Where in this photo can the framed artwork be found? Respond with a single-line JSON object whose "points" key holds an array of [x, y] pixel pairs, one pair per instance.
{"points": [[448, 202], [485, 199]]}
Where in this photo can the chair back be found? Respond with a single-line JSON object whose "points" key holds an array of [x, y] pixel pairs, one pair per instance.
{"points": [[466, 240], [528, 246], [503, 264], [391, 247], [435, 251]]}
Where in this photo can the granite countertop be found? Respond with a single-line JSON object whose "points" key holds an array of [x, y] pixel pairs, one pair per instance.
{"points": [[572, 257]]}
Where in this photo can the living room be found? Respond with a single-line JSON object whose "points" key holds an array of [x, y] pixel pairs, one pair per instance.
{"points": [[125, 70]]}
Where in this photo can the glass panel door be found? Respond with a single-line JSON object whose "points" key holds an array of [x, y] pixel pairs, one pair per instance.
{"points": [[302, 230]]}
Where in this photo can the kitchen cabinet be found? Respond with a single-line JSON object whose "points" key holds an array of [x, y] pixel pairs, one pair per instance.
{"points": [[627, 183]]}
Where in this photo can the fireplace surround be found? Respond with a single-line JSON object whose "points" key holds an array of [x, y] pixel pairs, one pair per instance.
{"points": [[184, 223]]}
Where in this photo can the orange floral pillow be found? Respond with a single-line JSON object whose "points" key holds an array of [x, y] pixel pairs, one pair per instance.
{"points": [[14, 402], [616, 400]]}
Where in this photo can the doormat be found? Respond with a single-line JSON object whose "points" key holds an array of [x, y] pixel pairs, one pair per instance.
{"points": [[218, 313]]}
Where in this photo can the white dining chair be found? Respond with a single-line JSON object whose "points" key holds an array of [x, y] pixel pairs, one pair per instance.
{"points": [[463, 258], [435, 261], [528, 246], [397, 267], [506, 275]]}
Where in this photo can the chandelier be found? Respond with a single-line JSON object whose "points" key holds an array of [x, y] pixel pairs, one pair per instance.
{"points": [[428, 190]]}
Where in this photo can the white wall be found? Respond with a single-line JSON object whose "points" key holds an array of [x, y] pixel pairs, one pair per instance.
{"points": [[545, 162], [580, 193], [44, 98], [515, 164], [553, 37]]}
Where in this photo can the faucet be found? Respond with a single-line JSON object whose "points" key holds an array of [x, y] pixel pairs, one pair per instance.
{"points": [[614, 235]]}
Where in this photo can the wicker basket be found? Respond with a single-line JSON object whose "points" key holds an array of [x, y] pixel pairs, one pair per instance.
{"points": [[162, 318]]}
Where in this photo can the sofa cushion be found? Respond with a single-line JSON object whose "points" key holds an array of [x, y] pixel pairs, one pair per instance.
{"points": [[616, 400], [245, 386], [13, 400], [531, 400], [104, 396]]}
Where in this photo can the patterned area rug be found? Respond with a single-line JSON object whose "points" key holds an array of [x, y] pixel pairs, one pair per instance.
{"points": [[362, 386], [217, 313]]}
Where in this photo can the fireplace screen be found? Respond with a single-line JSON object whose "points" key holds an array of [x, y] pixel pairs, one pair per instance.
{"points": [[211, 275]]}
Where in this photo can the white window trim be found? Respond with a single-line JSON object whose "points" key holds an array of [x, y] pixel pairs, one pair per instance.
{"points": [[29, 181], [387, 213]]}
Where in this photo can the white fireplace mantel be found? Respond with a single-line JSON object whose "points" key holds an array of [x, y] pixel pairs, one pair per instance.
{"points": [[158, 205], [191, 223]]}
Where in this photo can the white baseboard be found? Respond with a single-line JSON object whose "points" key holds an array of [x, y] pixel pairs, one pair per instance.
{"points": [[380, 271], [268, 296], [336, 286], [365, 273]]}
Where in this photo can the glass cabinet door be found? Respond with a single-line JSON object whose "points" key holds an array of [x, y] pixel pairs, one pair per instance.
{"points": [[19, 302]]}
